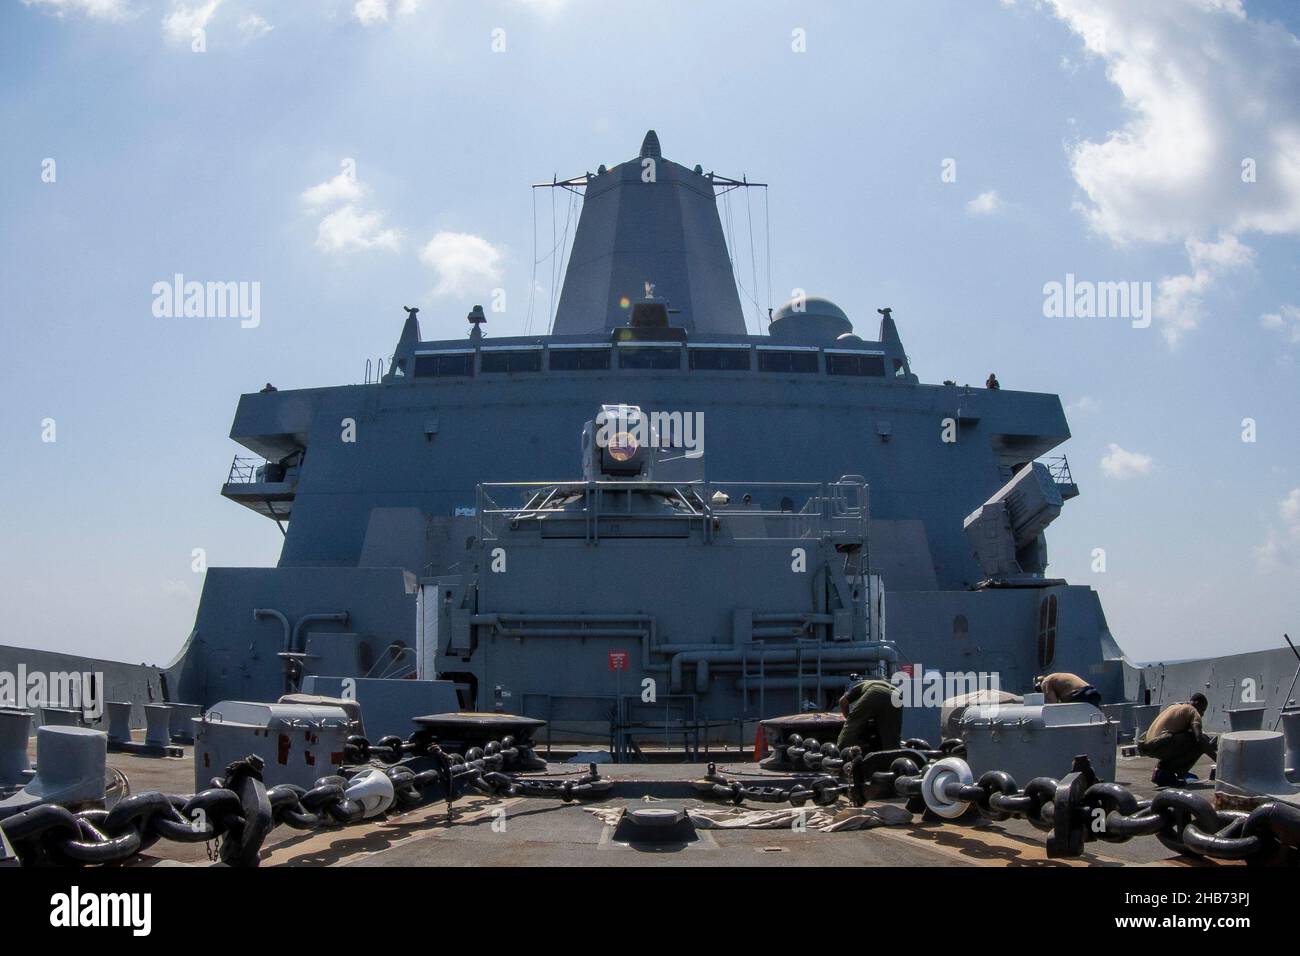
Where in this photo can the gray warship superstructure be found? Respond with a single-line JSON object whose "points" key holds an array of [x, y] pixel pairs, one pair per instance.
{"points": [[812, 510]]}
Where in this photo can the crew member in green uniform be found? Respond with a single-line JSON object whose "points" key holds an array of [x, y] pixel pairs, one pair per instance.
{"points": [[873, 717]]}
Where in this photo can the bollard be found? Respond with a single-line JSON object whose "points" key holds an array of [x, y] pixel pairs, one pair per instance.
{"points": [[1246, 718], [1250, 763], [182, 722], [15, 731], [1291, 731], [1143, 715], [157, 722], [70, 764], [119, 721], [59, 717]]}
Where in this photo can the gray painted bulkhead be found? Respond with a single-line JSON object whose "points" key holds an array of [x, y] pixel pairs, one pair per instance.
{"points": [[372, 517]]}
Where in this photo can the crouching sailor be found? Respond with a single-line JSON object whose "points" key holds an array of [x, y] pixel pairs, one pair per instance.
{"points": [[873, 716], [1176, 740], [1066, 689]]}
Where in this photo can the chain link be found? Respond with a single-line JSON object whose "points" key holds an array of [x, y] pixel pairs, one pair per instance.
{"points": [[236, 814], [1074, 810]]}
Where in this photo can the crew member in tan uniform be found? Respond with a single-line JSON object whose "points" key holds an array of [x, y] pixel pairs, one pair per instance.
{"points": [[1176, 740], [1066, 689]]}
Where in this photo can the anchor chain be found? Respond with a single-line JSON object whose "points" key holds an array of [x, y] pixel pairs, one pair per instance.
{"points": [[1075, 810], [238, 811]]}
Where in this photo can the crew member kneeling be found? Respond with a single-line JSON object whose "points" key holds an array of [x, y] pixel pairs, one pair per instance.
{"points": [[873, 720], [1176, 740]]}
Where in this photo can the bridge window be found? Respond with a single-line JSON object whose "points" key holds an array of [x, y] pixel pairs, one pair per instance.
{"points": [[649, 358], [513, 360], [838, 363], [720, 360], [579, 360], [769, 361], [444, 364]]}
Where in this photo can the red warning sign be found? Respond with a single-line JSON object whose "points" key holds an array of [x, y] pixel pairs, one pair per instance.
{"points": [[618, 660]]}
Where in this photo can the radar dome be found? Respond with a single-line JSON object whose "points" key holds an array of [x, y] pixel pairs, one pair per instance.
{"points": [[810, 319]]}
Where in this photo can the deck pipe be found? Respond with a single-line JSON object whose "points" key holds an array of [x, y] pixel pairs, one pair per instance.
{"points": [[261, 612], [292, 637], [300, 642]]}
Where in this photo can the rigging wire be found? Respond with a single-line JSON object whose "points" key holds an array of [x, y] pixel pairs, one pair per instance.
{"points": [[532, 283], [753, 261], [559, 261], [767, 227], [550, 320], [555, 266], [731, 239], [731, 246]]}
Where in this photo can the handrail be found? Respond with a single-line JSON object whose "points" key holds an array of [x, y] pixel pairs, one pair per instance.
{"points": [[837, 507], [250, 470], [1058, 466], [243, 470]]}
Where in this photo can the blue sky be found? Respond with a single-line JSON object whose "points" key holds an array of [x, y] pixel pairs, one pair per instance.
{"points": [[1097, 138]]}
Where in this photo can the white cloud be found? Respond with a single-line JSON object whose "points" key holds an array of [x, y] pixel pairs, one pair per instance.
{"points": [[252, 26], [179, 25], [98, 9], [464, 263], [351, 228], [1281, 548], [1290, 508], [1085, 405], [985, 204], [370, 12], [1206, 88], [1121, 464], [342, 188], [1179, 298], [1286, 321]]}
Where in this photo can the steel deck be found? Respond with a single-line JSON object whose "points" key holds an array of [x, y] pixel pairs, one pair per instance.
{"points": [[541, 832]]}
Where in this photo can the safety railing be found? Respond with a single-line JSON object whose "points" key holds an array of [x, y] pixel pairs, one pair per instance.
{"points": [[251, 471], [1058, 467], [243, 471], [750, 509]]}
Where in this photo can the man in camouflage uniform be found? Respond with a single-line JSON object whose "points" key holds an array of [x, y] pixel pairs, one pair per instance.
{"points": [[873, 717]]}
